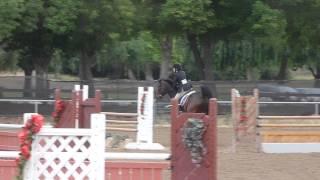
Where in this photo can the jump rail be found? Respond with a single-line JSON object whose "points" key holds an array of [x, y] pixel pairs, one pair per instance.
{"points": [[8, 135], [115, 121], [120, 114], [283, 134], [133, 170], [289, 134], [289, 117], [78, 110], [141, 122]]}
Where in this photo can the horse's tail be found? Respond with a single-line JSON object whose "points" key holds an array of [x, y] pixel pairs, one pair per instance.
{"points": [[206, 92]]}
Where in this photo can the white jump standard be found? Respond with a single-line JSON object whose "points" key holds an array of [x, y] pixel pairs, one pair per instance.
{"points": [[145, 121]]}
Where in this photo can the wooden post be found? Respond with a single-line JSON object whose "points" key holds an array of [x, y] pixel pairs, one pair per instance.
{"points": [[182, 165], [213, 110], [258, 140], [235, 108], [98, 125]]}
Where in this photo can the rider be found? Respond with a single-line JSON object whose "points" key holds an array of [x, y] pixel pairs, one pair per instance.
{"points": [[180, 78]]}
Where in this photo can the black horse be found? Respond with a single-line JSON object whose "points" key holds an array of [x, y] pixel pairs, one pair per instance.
{"points": [[196, 102]]}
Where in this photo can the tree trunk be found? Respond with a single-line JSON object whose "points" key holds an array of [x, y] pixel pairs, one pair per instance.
{"points": [[42, 84], [166, 54], [207, 58], [118, 71], [148, 72], [85, 74], [203, 58], [27, 87], [318, 71], [283, 70], [131, 74], [316, 75], [250, 74], [194, 46]]}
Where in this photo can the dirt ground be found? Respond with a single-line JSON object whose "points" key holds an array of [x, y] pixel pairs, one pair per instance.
{"points": [[246, 163]]}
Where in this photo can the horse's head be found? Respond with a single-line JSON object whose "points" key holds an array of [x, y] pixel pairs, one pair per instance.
{"points": [[165, 86]]}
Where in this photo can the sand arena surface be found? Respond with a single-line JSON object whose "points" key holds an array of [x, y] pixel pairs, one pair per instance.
{"points": [[246, 163]]}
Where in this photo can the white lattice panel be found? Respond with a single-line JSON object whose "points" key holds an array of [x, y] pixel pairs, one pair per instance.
{"points": [[68, 154]]}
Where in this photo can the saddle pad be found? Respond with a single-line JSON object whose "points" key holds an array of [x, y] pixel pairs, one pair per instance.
{"points": [[184, 97]]}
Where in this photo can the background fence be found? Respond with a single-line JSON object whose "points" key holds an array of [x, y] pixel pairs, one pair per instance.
{"points": [[121, 96]]}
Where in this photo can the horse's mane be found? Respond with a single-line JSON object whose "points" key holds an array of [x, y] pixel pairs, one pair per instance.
{"points": [[169, 81], [206, 92]]}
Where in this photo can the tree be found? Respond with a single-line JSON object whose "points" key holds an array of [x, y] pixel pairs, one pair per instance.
{"points": [[208, 22], [41, 29], [267, 26], [97, 23], [10, 14], [195, 18], [302, 31]]}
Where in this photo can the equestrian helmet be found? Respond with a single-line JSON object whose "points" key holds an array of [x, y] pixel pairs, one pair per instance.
{"points": [[177, 67]]}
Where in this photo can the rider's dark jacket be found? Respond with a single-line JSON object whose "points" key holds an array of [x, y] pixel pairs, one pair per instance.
{"points": [[181, 81]]}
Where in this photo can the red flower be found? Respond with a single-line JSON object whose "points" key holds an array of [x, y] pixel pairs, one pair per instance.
{"points": [[243, 117], [28, 124], [25, 151], [37, 121], [27, 142], [23, 135], [54, 114], [58, 110], [56, 104], [17, 160], [59, 105], [31, 127]]}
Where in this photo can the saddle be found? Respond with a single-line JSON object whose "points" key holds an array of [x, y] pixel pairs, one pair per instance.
{"points": [[184, 98]]}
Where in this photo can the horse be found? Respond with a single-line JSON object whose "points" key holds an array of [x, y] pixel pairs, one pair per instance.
{"points": [[196, 102]]}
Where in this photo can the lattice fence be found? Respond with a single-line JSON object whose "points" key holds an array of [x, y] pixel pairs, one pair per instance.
{"points": [[70, 154]]}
